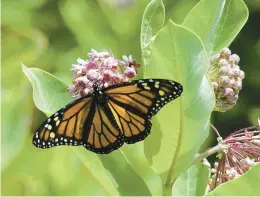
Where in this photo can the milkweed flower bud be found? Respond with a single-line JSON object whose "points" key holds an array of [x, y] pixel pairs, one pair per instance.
{"points": [[102, 68], [241, 155], [130, 72], [226, 78]]}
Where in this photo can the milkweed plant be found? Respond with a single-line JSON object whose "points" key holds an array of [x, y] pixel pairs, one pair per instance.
{"points": [[171, 160]]}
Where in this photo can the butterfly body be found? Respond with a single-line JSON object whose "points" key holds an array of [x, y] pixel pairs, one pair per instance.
{"points": [[109, 117]]}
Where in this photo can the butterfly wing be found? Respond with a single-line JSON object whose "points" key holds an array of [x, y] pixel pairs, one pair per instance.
{"points": [[103, 134], [82, 122], [134, 103], [65, 126]]}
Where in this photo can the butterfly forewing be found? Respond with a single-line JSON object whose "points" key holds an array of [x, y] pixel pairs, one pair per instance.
{"points": [[65, 126], [133, 104]]}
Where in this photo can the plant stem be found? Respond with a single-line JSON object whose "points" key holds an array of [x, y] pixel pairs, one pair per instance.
{"points": [[216, 131], [221, 147]]}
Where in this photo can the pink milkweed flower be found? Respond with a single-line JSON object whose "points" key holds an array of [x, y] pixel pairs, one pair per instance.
{"points": [[243, 152], [102, 68]]}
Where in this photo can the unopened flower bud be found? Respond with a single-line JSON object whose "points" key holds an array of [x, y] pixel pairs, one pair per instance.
{"points": [[232, 100], [241, 74], [221, 92], [224, 69], [238, 85], [236, 71], [93, 74], [229, 92], [215, 85], [225, 52], [234, 59], [130, 72], [223, 62], [224, 80]]}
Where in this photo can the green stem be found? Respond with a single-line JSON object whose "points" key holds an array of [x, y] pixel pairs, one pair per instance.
{"points": [[221, 147]]}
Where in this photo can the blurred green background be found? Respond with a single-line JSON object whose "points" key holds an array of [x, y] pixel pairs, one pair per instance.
{"points": [[51, 35]]}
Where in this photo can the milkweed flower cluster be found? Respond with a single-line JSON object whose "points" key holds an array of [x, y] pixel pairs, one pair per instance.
{"points": [[102, 68], [242, 153], [226, 78]]}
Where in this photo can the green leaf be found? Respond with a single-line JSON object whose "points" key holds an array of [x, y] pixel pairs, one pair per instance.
{"points": [[217, 22], [134, 154], [124, 176], [153, 21], [193, 182], [178, 131], [246, 185], [49, 93], [95, 167]]}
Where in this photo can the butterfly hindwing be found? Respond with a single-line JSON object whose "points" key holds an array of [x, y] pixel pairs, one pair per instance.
{"points": [[102, 134], [134, 103]]}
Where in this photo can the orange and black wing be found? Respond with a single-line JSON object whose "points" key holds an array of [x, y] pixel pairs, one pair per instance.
{"points": [[65, 127], [82, 122], [134, 103], [102, 134]]}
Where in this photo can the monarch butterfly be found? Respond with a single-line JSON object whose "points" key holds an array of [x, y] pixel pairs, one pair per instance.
{"points": [[105, 119]]}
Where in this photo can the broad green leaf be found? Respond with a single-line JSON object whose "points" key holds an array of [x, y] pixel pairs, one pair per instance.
{"points": [[94, 165], [217, 22], [136, 158], [152, 22], [128, 182], [49, 95], [86, 22], [192, 182], [246, 185], [178, 54], [178, 10]]}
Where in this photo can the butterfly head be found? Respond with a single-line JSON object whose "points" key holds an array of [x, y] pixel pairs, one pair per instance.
{"points": [[98, 93], [96, 87]]}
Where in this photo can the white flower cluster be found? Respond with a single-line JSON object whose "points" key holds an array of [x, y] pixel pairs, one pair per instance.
{"points": [[226, 78]]}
